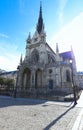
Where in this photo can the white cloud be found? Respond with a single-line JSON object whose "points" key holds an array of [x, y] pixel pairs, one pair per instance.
{"points": [[71, 34], [4, 35], [22, 4], [62, 4], [9, 56], [9, 63]]}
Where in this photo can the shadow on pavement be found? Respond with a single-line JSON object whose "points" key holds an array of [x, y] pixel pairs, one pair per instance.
{"points": [[58, 118], [9, 101]]}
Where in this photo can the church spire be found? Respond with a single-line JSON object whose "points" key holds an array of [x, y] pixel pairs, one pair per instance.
{"points": [[57, 49], [21, 60], [40, 24], [29, 38]]}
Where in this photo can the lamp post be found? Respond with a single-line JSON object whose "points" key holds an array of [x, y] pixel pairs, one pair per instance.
{"points": [[15, 92], [74, 90]]}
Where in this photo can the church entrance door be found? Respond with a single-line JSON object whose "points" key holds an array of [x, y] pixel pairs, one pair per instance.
{"points": [[51, 84]]}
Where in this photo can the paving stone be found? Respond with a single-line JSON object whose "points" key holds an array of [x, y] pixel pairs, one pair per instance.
{"points": [[30, 114]]}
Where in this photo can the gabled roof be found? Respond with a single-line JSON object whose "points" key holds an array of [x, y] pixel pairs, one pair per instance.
{"points": [[50, 48], [66, 55]]}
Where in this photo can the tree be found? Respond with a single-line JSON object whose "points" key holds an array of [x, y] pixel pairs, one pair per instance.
{"points": [[6, 81]]}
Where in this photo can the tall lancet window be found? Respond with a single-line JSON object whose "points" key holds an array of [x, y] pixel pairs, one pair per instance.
{"points": [[68, 78], [35, 56]]}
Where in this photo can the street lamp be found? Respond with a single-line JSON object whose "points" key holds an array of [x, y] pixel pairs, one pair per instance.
{"points": [[74, 90], [15, 92]]}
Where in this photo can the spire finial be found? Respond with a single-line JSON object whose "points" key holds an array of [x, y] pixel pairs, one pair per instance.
{"points": [[40, 3], [40, 24]]}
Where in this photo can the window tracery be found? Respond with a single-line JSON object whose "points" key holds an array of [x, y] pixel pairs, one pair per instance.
{"points": [[35, 56]]}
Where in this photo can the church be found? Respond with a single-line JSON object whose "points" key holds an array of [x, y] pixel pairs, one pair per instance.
{"points": [[42, 70]]}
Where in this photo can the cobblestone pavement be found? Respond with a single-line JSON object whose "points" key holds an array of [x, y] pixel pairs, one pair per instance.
{"points": [[78, 125], [20, 114], [81, 123]]}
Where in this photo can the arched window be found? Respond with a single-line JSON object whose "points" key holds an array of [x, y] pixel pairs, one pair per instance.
{"points": [[35, 56], [38, 78], [68, 79], [51, 58]]}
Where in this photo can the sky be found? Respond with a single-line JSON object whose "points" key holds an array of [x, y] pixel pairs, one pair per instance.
{"points": [[63, 21]]}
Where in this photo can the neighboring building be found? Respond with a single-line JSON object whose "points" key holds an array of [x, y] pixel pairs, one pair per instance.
{"points": [[80, 79], [2, 71], [10, 75], [42, 69]]}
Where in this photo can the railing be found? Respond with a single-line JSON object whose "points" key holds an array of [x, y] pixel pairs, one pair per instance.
{"points": [[7, 90]]}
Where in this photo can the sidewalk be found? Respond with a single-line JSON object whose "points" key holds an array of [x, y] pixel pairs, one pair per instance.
{"points": [[78, 125]]}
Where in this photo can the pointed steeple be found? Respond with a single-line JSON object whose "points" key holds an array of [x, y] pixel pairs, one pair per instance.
{"points": [[57, 54], [21, 59], [72, 53], [57, 49], [29, 38], [40, 25]]}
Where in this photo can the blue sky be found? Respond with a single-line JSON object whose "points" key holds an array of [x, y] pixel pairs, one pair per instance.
{"points": [[63, 21]]}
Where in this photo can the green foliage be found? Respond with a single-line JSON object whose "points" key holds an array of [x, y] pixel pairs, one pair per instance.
{"points": [[5, 81]]}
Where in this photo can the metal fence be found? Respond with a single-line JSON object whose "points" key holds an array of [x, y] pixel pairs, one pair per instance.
{"points": [[7, 90], [40, 93]]}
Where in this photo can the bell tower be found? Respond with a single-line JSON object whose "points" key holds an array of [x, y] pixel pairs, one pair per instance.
{"points": [[38, 41]]}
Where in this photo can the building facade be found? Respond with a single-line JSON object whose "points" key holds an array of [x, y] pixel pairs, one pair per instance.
{"points": [[43, 69], [9, 75], [80, 79]]}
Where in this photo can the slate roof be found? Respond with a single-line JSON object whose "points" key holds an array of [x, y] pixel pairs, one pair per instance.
{"points": [[10, 72], [66, 55]]}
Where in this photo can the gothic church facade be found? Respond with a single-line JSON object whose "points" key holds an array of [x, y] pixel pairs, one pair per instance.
{"points": [[42, 69]]}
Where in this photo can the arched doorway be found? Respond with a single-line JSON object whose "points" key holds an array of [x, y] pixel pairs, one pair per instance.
{"points": [[38, 78], [50, 84], [26, 80]]}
